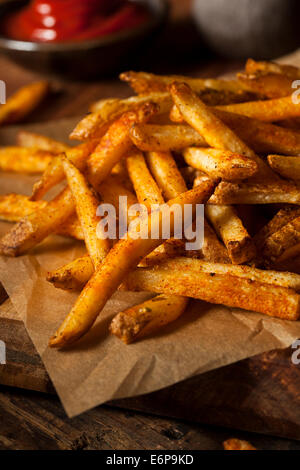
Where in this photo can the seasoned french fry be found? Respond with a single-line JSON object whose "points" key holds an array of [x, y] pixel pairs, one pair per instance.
{"points": [[116, 143], [226, 289], [215, 132], [288, 167], [143, 82], [265, 67], [33, 228], [144, 185], [13, 207], [41, 142], [151, 137], [237, 444], [283, 217], [23, 102], [54, 172], [281, 244], [275, 278], [105, 112], [166, 174], [268, 110], [212, 250], [24, 160], [86, 202], [150, 316], [230, 228], [220, 163], [124, 256], [74, 275], [260, 193], [272, 85]]}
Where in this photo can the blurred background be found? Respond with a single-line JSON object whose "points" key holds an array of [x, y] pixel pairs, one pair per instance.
{"points": [[176, 34]]}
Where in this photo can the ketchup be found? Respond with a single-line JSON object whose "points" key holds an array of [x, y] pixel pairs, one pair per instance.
{"points": [[65, 20]]}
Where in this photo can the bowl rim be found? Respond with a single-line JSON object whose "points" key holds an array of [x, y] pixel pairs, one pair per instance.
{"points": [[156, 20]]}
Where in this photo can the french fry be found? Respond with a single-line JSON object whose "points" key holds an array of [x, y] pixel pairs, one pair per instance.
{"points": [[276, 192], [124, 256], [23, 102], [72, 276], [288, 167], [237, 444], [220, 163], [229, 227], [157, 138], [283, 217], [274, 278], [31, 139], [105, 112], [144, 185], [141, 320], [212, 250], [166, 174], [266, 68], [13, 207], [33, 228], [268, 110], [215, 132], [225, 289], [283, 243], [116, 143], [272, 85], [86, 202], [24, 160], [143, 83], [54, 173]]}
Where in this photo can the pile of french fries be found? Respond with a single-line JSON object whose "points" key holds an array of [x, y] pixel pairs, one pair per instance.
{"points": [[232, 145]]}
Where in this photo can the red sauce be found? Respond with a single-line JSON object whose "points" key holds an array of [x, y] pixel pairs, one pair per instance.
{"points": [[63, 20]]}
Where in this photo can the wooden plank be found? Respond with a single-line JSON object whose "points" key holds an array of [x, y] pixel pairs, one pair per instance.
{"points": [[260, 394]]}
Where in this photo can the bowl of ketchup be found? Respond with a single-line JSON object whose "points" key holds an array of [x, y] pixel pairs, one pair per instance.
{"points": [[79, 38]]}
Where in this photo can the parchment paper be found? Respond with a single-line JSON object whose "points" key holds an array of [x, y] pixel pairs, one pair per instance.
{"points": [[100, 367]]}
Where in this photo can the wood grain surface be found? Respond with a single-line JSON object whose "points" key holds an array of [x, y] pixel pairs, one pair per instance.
{"points": [[260, 394]]}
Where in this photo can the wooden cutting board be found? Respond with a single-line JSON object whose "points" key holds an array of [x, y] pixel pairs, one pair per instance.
{"points": [[260, 394]]}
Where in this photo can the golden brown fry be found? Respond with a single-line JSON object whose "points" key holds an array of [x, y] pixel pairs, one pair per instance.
{"points": [[116, 143], [41, 142], [272, 85], [261, 193], [144, 185], [237, 444], [215, 132], [268, 110], [124, 256], [96, 124], [21, 103], [229, 226], [283, 217], [24, 160], [225, 289], [284, 243], [54, 172], [212, 250], [74, 275], [13, 207], [275, 278], [220, 163], [151, 137], [166, 174], [87, 202], [143, 82], [265, 68], [288, 167], [32, 229], [147, 318]]}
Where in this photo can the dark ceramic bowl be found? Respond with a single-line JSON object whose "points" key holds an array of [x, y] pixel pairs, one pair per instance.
{"points": [[87, 59]]}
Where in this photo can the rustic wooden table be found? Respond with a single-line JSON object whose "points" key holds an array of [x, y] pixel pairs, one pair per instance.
{"points": [[31, 420]]}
